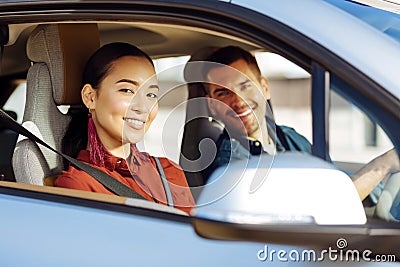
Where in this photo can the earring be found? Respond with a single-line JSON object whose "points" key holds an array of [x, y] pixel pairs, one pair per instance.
{"points": [[97, 150]]}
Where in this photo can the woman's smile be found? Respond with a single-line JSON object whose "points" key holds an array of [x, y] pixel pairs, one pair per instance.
{"points": [[137, 124]]}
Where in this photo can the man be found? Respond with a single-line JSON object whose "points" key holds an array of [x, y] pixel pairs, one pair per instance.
{"points": [[238, 97], [237, 94]]}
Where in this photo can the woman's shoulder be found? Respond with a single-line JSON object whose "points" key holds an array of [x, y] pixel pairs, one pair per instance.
{"points": [[177, 181], [167, 163], [72, 178], [171, 169]]}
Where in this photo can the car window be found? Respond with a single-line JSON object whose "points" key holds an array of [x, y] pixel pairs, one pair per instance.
{"points": [[171, 111], [290, 87], [355, 141], [353, 136], [16, 101]]}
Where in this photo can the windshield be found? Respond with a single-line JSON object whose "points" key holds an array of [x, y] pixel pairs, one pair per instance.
{"points": [[385, 21]]}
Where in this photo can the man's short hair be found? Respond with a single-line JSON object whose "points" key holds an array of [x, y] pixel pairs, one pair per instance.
{"points": [[229, 54]]}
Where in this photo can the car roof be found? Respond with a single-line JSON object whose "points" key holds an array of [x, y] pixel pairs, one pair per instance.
{"points": [[382, 15], [392, 5]]}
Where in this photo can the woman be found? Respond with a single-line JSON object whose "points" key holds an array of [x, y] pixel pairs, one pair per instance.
{"points": [[120, 93]]}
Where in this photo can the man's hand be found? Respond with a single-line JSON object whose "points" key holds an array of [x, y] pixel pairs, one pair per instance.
{"points": [[369, 176]]}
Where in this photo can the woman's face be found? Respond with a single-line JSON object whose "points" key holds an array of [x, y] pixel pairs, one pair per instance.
{"points": [[126, 103]]}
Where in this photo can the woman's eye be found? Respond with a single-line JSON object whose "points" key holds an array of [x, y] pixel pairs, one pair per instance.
{"points": [[152, 95], [127, 90]]}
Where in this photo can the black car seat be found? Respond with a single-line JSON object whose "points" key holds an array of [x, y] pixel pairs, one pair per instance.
{"points": [[9, 139], [58, 53], [199, 129]]}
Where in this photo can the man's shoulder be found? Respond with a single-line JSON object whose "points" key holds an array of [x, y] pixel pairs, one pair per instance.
{"points": [[293, 139], [289, 131]]}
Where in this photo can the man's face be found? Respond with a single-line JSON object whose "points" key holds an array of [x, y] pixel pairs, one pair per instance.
{"points": [[237, 98]]}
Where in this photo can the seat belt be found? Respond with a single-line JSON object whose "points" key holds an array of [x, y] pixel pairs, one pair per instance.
{"points": [[164, 181], [108, 181]]}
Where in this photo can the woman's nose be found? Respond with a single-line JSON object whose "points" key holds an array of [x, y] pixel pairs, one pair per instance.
{"points": [[138, 103]]}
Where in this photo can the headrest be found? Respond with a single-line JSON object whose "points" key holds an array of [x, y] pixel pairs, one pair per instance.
{"points": [[194, 68], [65, 49]]}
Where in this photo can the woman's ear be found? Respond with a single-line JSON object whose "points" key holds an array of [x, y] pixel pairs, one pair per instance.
{"points": [[88, 95], [265, 88]]}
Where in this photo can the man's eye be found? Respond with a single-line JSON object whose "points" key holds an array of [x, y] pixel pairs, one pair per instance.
{"points": [[152, 95], [222, 93], [246, 86]]}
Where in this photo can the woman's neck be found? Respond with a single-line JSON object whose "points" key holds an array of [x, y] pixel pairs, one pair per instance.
{"points": [[117, 149]]}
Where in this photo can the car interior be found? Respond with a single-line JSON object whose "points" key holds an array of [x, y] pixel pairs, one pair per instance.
{"points": [[52, 66]]}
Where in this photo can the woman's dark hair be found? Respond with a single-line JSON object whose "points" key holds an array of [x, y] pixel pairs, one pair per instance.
{"points": [[96, 69]]}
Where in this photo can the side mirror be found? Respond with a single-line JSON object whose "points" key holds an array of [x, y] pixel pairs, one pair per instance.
{"points": [[289, 187], [303, 201]]}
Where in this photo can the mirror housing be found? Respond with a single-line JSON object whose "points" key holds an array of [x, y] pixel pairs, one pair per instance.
{"points": [[303, 201], [290, 187]]}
